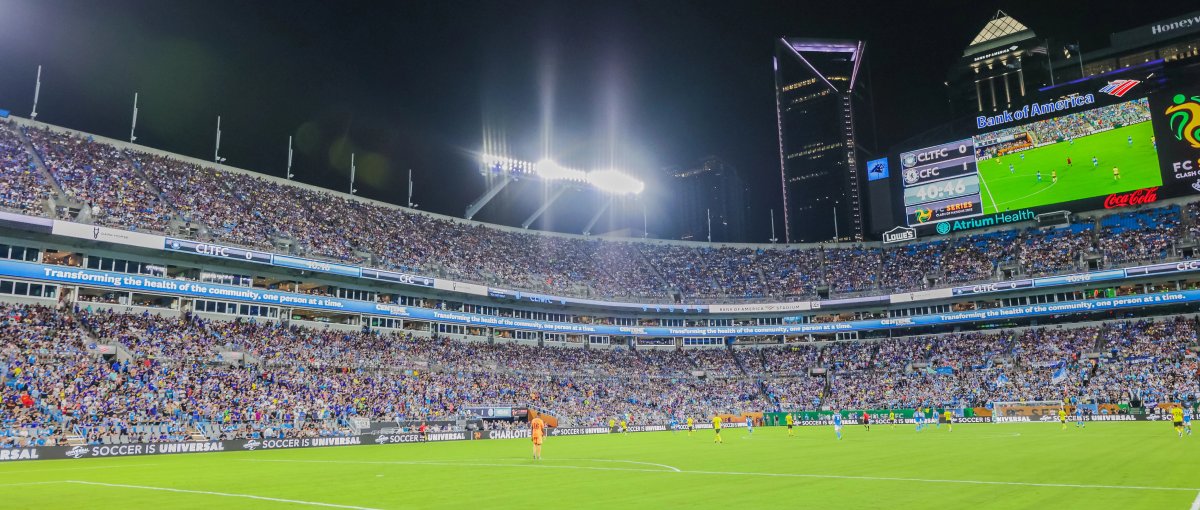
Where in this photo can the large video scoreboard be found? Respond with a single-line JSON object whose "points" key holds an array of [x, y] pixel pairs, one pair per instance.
{"points": [[1104, 143], [941, 183]]}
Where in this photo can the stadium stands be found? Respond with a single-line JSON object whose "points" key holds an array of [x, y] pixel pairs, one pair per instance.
{"points": [[139, 191], [302, 382]]}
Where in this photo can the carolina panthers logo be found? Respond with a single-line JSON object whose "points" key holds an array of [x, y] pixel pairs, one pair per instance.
{"points": [[923, 215], [1185, 119]]}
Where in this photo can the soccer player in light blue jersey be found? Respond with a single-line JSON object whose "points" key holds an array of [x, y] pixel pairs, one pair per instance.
{"points": [[837, 424]]}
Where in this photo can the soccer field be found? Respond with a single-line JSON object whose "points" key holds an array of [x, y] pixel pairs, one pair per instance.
{"points": [[1028, 465], [1005, 190]]}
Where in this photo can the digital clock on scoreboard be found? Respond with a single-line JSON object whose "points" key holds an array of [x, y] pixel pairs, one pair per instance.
{"points": [[941, 183], [942, 190]]}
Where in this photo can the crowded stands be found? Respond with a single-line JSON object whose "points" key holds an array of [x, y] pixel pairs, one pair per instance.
{"points": [[135, 190], [169, 377]]}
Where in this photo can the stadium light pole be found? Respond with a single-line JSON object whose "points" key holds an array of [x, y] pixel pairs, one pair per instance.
{"points": [[773, 238], [217, 150], [835, 225], [1050, 61], [410, 186], [37, 91], [289, 166], [352, 190], [133, 125], [708, 215], [645, 222], [1079, 53]]}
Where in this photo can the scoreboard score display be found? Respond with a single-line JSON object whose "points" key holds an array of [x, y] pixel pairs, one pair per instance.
{"points": [[941, 183]]}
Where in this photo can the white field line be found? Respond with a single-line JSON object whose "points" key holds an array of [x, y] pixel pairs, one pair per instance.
{"points": [[1196, 503], [672, 468], [745, 473], [118, 466], [224, 494], [22, 484]]}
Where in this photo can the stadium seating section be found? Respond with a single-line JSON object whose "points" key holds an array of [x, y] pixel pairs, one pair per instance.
{"points": [[308, 382], [144, 192]]}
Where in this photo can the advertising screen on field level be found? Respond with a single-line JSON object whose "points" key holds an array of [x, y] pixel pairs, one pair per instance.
{"points": [[1092, 153]]}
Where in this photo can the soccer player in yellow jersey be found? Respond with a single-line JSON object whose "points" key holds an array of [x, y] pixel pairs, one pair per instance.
{"points": [[612, 424], [790, 422], [949, 421], [717, 429], [1177, 419], [892, 418], [624, 426], [691, 426], [1062, 417]]}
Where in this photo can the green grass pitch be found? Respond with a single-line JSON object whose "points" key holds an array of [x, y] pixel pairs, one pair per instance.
{"points": [[1030, 465], [1005, 191]]}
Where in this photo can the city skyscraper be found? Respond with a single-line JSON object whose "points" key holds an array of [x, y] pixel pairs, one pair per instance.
{"points": [[709, 192], [823, 103]]}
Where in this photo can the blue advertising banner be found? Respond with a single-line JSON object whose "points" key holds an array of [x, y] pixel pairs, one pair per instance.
{"points": [[117, 281], [78, 230]]}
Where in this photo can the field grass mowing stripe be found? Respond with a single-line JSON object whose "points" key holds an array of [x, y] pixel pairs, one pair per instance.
{"points": [[986, 188], [464, 464], [121, 466], [22, 484], [223, 494], [1047, 188], [672, 468], [737, 473]]}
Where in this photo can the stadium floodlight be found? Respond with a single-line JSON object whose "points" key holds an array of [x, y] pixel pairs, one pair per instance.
{"points": [[608, 180], [549, 170], [615, 182]]}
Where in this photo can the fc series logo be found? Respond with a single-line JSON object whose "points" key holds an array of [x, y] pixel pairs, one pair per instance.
{"points": [[923, 215], [1183, 120]]}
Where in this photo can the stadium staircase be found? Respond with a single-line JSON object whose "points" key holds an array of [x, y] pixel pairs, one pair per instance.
{"points": [[195, 435], [75, 439], [738, 361], [178, 223], [280, 243], [59, 198], [658, 274], [92, 339], [40, 163]]}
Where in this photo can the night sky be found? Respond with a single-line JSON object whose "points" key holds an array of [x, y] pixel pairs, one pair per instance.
{"points": [[636, 85]]}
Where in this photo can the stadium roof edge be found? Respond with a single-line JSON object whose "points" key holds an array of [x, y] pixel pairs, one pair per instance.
{"points": [[1000, 31]]}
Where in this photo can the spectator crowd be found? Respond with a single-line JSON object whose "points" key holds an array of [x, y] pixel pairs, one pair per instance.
{"points": [[171, 377], [135, 190]]}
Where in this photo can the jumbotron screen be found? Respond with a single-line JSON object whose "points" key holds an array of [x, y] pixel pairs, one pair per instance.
{"points": [[1092, 153]]}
